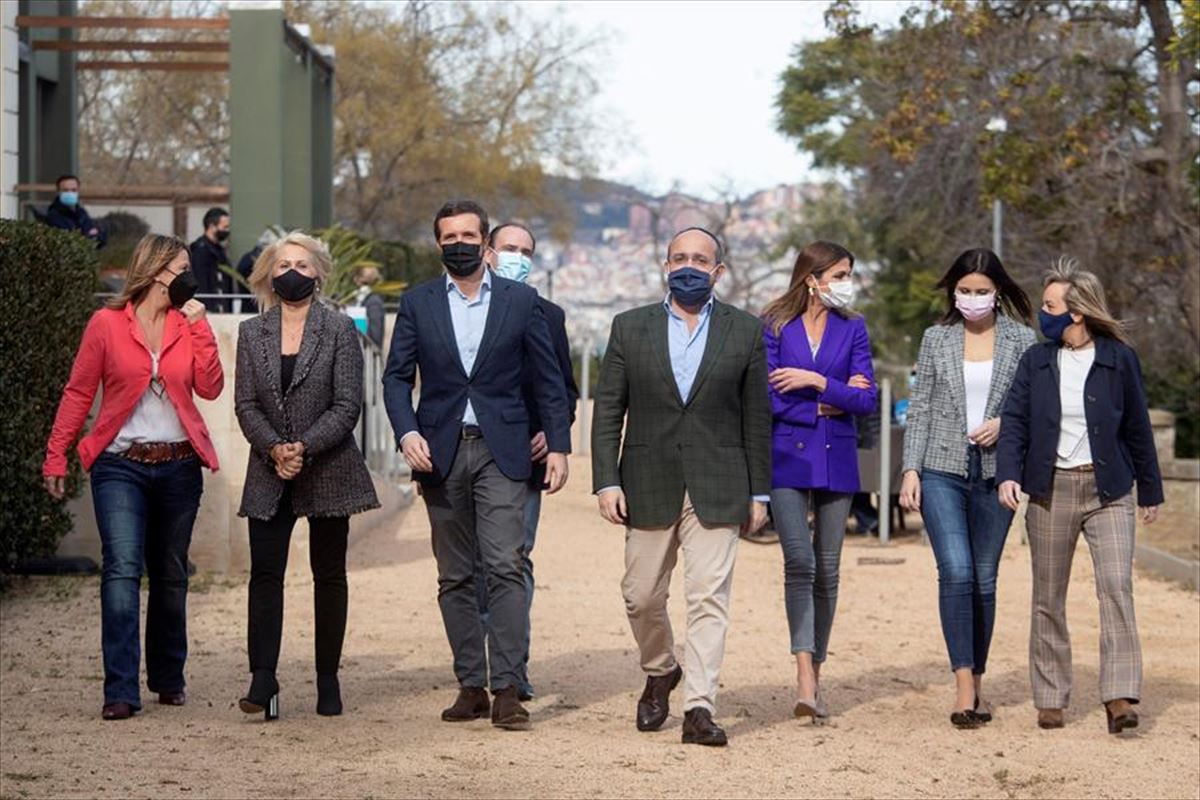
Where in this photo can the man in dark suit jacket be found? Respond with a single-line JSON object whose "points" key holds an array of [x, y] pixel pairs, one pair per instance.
{"points": [[510, 255], [68, 213], [687, 379], [472, 336], [208, 254]]}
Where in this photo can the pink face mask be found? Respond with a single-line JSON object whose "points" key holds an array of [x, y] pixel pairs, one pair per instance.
{"points": [[975, 307]]}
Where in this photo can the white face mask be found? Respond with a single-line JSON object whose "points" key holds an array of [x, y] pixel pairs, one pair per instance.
{"points": [[838, 294]]}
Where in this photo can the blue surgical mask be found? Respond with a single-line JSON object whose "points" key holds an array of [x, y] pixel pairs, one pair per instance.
{"points": [[69, 198], [912, 382], [1054, 325], [689, 286], [514, 266]]}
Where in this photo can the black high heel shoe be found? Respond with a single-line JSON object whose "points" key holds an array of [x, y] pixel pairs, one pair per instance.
{"points": [[329, 696], [263, 695]]}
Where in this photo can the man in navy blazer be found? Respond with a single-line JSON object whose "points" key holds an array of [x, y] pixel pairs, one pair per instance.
{"points": [[510, 255], [473, 336]]}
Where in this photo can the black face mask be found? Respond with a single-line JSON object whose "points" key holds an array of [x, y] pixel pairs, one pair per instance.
{"points": [[461, 258], [182, 288], [222, 235], [293, 287]]}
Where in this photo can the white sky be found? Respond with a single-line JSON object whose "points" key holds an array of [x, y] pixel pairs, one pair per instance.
{"points": [[692, 86]]}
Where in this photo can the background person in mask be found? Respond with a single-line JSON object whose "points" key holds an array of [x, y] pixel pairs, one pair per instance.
{"points": [[68, 213], [297, 394], [1076, 437], [686, 381], [245, 266], [371, 303], [510, 255], [473, 337], [208, 254], [150, 349], [966, 364], [819, 362]]}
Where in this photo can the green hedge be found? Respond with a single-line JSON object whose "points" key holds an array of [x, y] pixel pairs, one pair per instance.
{"points": [[47, 279]]}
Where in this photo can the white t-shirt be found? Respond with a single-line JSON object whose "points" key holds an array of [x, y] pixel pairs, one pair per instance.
{"points": [[153, 418], [1074, 449], [977, 380]]}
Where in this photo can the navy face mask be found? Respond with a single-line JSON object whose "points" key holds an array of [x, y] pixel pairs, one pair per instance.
{"points": [[1054, 325], [689, 286]]}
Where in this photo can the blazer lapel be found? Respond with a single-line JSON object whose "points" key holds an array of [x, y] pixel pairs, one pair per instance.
{"points": [[1003, 357], [270, 345], [657, 334], [831, 342], [497, 312], [718, 329], [954, 355], [310, 344], [174, 330], [439, 302]]}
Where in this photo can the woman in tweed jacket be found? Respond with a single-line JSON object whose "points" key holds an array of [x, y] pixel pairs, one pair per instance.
{"points": [[964, 370], [298, 395]]}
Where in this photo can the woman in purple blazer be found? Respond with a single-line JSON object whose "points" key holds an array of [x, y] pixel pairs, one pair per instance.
{"points": [[819, 359]]}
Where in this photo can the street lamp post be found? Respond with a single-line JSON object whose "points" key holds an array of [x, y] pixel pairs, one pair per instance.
{"points": [[997, 125]]}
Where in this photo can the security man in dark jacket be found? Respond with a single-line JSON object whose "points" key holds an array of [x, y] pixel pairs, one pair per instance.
{"points": [[67, 213], [208, 254]]}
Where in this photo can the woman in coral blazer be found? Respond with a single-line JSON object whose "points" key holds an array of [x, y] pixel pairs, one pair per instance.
{"points": [[151, 349], [819, 368]]}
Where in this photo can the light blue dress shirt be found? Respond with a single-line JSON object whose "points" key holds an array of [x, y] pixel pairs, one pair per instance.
{"points": [[686, 347], [468, 318]]}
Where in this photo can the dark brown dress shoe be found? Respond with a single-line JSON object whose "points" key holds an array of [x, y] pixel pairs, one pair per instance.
{"points": [[1121, 715], [172, 698], [1050, 718], [507, 711], [471, 703], [699, 728], [654, 705], [113, 711]]}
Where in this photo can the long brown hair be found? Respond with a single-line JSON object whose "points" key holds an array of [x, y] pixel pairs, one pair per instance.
{"points": [[1085, 296], [813, 260], [152, 253]]}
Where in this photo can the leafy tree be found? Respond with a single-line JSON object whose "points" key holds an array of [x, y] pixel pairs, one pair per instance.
{"points": [[1099, 159]]}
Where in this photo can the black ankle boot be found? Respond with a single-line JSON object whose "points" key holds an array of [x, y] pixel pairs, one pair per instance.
{"points": [[263, 695], [329, 696]]}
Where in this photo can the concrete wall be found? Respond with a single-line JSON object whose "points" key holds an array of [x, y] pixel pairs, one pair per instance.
{"points": [[219, 539], [9, 104]]}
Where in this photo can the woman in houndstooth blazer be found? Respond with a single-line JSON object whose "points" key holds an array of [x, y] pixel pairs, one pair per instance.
{"points": [[964, 370]]}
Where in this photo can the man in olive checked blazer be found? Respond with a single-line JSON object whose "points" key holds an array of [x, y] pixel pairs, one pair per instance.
{"points": [[687, 378]]}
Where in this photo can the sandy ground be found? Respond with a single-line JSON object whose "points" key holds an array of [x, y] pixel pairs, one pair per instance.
{"points": [[887, 683]]}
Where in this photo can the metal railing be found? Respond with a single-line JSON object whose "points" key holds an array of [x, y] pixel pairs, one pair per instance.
{"points": [[374, 432]]}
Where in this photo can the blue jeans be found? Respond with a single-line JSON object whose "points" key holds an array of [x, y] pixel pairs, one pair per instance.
{"points": [[811, 561], [967, 527], [533, 512], [145, 514]]}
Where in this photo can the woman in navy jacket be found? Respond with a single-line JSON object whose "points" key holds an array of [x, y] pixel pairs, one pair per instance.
{"points": [[1075, 435], [819, 363]]}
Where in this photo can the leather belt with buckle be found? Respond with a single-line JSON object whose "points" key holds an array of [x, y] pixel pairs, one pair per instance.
{"points": [[159, 452], [472, 432], [1080, 468]]}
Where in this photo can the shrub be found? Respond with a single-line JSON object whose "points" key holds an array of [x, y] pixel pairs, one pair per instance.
{"points": [[47, 278]]}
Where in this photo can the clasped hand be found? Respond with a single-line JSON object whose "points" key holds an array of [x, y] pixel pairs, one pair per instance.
{"points": [[288, 458]]}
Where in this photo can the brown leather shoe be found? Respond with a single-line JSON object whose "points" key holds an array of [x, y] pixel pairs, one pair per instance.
{"points": [[507, 711], [1121, 715], [471, 703], [172, 698], [1050, 718], [654, 705], [699, 728], [113, 711]]}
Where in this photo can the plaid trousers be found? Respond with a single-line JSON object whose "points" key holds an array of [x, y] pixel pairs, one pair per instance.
{"points": [[1054, 524]]}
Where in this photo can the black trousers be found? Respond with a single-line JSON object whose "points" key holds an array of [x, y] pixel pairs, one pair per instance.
{"points": [[269, 541]]}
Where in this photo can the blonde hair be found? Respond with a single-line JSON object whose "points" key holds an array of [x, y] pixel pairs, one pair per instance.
{"points": [[1085, 296], [152, 253], [260, 277]]}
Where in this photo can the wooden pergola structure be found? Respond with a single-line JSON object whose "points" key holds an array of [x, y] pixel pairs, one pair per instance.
{"points": [[280, 83]]}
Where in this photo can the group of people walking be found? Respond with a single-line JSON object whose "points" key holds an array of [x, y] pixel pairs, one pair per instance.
{"points": [[706, 419]]}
